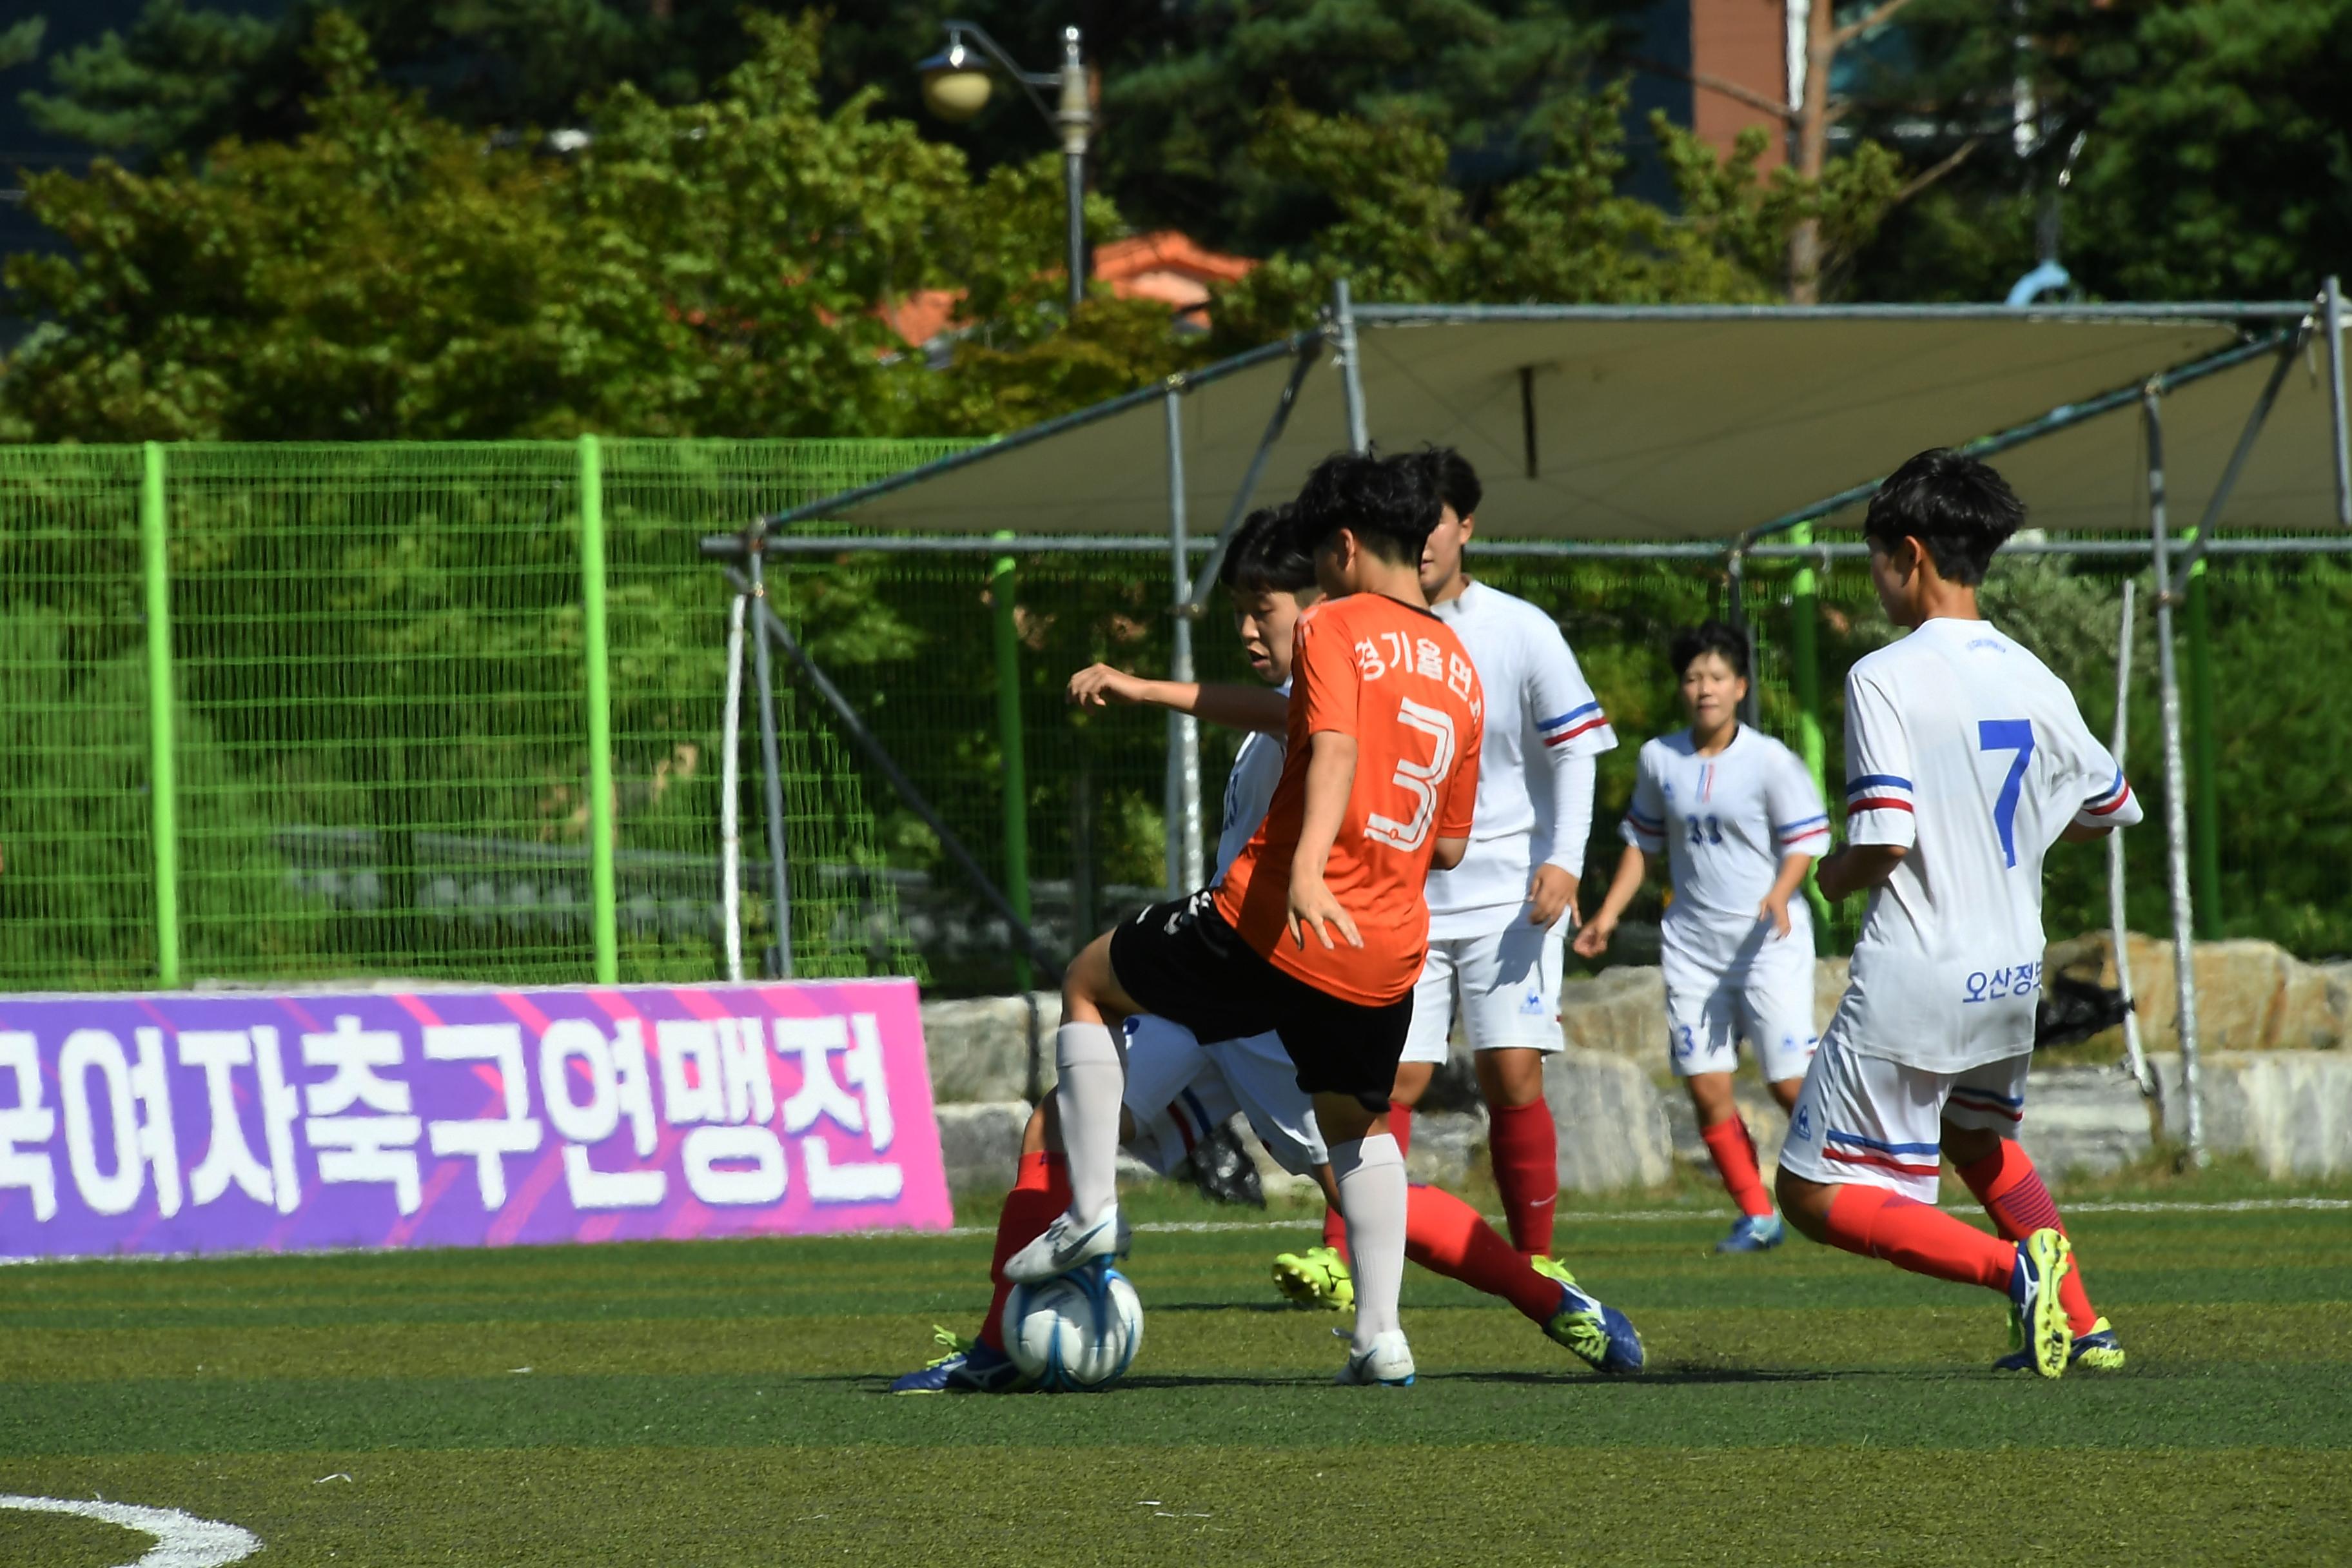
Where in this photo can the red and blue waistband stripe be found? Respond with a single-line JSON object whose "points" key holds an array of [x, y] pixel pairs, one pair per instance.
{"points": [[1992, 1104], [1887, 1156], [1574, 722]]}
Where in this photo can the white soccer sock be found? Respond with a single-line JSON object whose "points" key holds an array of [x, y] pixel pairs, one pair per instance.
{"points": [[1370, 1172], [1092, 1082]]}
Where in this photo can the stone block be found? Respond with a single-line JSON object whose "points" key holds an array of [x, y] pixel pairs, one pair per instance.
{"points": [[980, 1145], [2292, 1110], [2251, 996], [1767, 1124], [2089, 1119], [979, 1048], [1612, 1127], [1620, 1012]]}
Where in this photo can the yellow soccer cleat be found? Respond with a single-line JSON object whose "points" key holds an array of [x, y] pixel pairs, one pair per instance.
{"points": [[2037, 1319], [1317, 1277]]}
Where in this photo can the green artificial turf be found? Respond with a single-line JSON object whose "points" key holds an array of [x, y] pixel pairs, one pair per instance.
{"points": [[721, 1404]]}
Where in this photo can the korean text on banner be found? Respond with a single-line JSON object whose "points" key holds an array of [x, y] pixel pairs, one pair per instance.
{"points": [[179, 1123]]}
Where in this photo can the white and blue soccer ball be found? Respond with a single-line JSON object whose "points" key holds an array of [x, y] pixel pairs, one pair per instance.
{"points": [[1076, 1332]]}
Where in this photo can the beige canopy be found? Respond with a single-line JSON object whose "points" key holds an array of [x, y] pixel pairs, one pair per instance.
{"points": [[1685, 423]]}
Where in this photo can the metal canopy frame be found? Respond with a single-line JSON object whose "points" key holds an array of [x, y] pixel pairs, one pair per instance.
{"points": [[2279, 328]]}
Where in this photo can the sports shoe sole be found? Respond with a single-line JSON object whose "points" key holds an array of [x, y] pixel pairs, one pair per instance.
{"points": [[2048, 1336]]}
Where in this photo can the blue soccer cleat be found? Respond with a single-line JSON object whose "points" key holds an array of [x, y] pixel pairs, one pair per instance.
{"points": [[968, 1367], [1599, 1335], [2100, 1349], [1754, 1233], [2037, 1317]]}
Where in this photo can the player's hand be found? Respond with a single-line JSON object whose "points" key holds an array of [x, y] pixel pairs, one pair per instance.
{"points": [[1312, 905], [1829, 876], [1592, 941], [1775, 909], [1551, 895], [1099, 685]]}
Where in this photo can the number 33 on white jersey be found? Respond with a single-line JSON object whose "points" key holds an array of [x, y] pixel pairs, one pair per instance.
{"points": [[1963, 749]]}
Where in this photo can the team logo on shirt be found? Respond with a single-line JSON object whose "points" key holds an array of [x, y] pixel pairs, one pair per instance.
{"points": [[1803, 1124]]}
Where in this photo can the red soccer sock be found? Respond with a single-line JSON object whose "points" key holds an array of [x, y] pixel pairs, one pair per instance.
{"points": [[1445, 1235], [1525, 1149], [2011, 1191], [1735, 1160], [1334, 1227], [1041, 1191], [1919, 1237]]}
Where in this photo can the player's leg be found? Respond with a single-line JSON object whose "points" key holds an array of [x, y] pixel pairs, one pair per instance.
{"points": [[1041, 1191], [1446, 1235], [1510, 988], [1427, 1045], [1980, 1119], [1702, 1031], [1161, 961], [1859, 1173], [1775, 995]]}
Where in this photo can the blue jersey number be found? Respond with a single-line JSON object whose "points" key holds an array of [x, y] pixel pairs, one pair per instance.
{"points": [[1704, 830], [2007, 735]]}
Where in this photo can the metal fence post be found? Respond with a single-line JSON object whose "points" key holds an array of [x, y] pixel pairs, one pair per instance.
{"points": [[1351, 375], [2205, 817], [772, 757], [603, 915], [2176, 787], [1183, 792], [731, 802], [155, 566], [1001, 584], [1804, 660]]}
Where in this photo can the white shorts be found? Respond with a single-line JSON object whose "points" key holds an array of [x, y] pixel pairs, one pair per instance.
{"points": [[1879, 1122], [1768, 999], [1506, 984], [1177, 1088]]}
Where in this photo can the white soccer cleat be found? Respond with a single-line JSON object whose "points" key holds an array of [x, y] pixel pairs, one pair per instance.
{"points": [[1067, 1243], [1389, 1363]]}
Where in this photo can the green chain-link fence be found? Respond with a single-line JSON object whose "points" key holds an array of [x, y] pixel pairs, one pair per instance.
{"points": [[383, 763], [380, 745]]}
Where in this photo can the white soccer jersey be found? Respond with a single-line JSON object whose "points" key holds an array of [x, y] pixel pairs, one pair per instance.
{"points": [[1963, 748], [1724, 822], [1249, 790], [1540, 714]]}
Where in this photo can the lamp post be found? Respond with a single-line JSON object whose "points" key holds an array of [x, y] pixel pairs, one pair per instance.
{"points": [[956, 87]]}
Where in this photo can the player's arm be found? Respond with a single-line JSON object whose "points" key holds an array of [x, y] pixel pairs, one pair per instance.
{"points": [[1880, 824], [1448, 852], [1228, 703], [1631, 866], [1801, 830], [2112, 807], [1857, 869], [1775, 907], [1571, 731], [1330, 776]]}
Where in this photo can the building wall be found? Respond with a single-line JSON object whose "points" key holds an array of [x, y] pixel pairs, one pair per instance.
{"points": [[1742, 41]]}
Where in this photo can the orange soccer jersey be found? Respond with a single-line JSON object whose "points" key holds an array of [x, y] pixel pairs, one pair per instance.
{"points": [[1397, 680]]}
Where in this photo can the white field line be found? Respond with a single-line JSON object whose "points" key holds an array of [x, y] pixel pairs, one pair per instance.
{"points": [[182, 1540], [1215, 1227]]}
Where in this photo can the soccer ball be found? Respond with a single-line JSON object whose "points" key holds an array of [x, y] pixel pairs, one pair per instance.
{"points": [[1076, 1332]]}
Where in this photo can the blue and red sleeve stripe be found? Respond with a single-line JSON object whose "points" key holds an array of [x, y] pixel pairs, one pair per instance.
{"points": [[1576, 722], [1877, 791]]}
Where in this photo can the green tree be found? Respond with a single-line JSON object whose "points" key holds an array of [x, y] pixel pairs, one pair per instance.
{"points": [[715, 267]]}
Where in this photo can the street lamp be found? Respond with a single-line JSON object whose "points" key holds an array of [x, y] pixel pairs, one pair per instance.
{"points": [[956, 87]]}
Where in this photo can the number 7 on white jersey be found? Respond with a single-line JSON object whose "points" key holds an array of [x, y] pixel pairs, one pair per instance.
{"points": [[1417, 779]]}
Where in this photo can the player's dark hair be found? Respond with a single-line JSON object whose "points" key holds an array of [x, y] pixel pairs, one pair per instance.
{"points": [[1457, 481], [1719, 638], [1959, 509], [1388, 503], [1265, 556]]}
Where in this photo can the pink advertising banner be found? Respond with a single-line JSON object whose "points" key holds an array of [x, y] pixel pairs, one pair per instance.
{"points": [[176, 1123]]}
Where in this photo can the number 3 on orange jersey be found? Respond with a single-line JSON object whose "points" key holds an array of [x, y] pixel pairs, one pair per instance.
{"points": [[1417, 779]]}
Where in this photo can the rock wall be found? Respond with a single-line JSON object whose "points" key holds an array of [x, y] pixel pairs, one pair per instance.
{"points": [[2292, 1110]]}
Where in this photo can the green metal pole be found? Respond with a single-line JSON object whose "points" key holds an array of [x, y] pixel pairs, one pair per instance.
{"points": [[2204, 819], [1805, 666], [600, 714], [156, 565], [1001, 587]]}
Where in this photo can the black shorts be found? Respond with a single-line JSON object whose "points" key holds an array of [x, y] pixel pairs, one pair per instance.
{"points": [[1182, 961]]}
